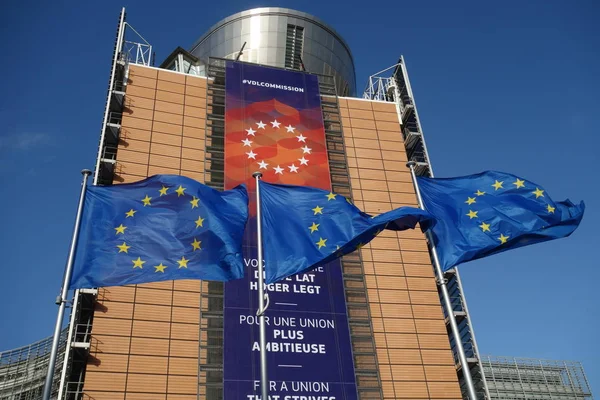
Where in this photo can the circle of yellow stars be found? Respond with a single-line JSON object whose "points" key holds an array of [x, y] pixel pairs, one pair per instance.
{"points": [[497, 185], [138, 263]]}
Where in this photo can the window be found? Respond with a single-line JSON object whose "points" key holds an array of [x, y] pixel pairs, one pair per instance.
{"points": [[173, 65], [293, 46]]}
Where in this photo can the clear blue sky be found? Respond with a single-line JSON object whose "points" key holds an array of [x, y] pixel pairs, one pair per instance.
{"points": [[511, 86]]}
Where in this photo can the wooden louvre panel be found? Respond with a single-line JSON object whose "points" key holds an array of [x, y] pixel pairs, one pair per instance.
{"points": [[409, 330]]}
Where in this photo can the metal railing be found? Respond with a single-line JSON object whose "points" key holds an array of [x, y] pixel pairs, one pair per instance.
{"points": [[136, 52], [109, 153], [529, 378], [115, 118], [23, 370]]}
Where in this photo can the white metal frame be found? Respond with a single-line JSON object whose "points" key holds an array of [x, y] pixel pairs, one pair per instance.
{"points": [[76, 294], [118, 50], [142, 51]]}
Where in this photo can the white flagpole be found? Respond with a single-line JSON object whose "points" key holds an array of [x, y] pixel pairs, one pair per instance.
{"points": [[441, 281], [264, 382], [62, 299]]}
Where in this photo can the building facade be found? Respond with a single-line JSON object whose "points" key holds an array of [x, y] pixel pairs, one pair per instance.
{"points": [[283, 38], [165, 340], [23, 370], [526, 378]]}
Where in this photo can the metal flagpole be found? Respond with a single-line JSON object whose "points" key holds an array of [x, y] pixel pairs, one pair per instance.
{"points": [[62, 299], [63, 375], [264, 382], [441, 281]]}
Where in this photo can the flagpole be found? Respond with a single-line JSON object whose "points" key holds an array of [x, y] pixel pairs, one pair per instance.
{"points": [[62, 299], [264, 382], [441, 281]]}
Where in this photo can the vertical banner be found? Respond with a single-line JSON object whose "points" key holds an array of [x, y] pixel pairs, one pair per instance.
{"points": [[274, 124]]}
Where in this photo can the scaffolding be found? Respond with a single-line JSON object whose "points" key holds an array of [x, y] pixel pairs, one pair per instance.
{"points": [[392, 85], [510, 378], [130, 48], [23, 370]]}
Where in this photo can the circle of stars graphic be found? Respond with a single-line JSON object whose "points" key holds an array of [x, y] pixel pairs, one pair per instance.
{"points": [[278, 169], [122, 232], [518, 184]]}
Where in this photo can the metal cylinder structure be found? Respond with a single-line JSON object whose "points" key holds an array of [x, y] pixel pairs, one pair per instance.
{"points": [[283, 38]]}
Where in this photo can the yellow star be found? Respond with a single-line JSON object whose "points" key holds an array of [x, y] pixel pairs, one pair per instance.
{"points": [[331, 196], [194, 202], [318, 210], [498, 185], [550, 209], [180, 191], [519, 183], [123, 248], [183, 262], [470, 200], [503, 239], [472, 214], [538, 193], [130, 213], [485, 227], [146, 200], [321, 242], [160, 268], [120, 229], [314, 227], [196, 245], [199, 222], [163, 191], [479, 193], [138, 263]]}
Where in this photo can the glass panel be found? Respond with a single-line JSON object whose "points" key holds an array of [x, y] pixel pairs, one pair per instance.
{"points": [[273, 23], [187, 66], [294, 46], [245, 26], [173, 65], [228, 31]]}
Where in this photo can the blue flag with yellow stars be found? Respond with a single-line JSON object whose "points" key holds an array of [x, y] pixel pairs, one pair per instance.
{"points": [[161, 228], [484, 214], [304, 227]]}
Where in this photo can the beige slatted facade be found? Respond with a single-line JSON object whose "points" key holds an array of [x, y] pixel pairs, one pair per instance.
{"points": [[146, 337], [415, 361]]}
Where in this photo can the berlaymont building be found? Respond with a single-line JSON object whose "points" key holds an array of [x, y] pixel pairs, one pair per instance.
{"points": [[373, 328]]}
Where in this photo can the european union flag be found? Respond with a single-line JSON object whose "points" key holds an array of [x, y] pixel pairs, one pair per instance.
{"points": [[484, 214], [161, 228], [304, 228]]}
